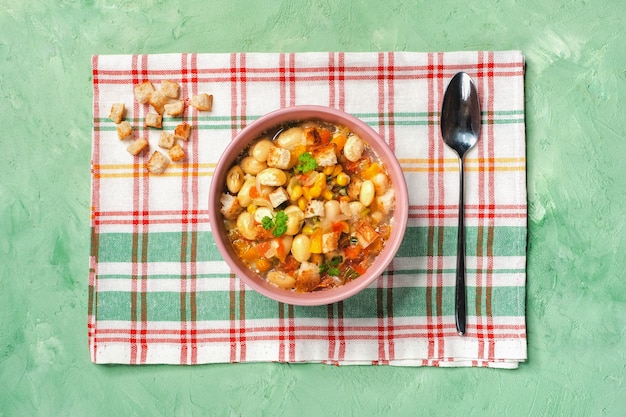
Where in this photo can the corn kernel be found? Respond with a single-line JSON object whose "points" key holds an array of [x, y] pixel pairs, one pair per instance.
{"points": [[302, 203], [328, 194], [320, 181], [338, 168], [251, 209], [308, 230], [295, 192], [343, 179], [328, 170], [315, 191], [306, 193], [316, 243]]}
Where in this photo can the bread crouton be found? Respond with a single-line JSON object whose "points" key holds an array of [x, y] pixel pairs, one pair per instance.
{"points": [[158, 100], [278, 158], [307, 276], [177, 153], [167, 140], [354, 188], [314, 208], [183, 130], [230, 206], [365, 234], [278, 197], [202, 102], [325, 155], [154, 120], [312, 136], [330, 241], [170, 88], [174, 108], [117, 112], [157, 163], [143, 92], [124, 130], [139, 146]]}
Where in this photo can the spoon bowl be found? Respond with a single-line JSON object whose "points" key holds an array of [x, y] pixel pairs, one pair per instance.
{"points": [[460, 114], [460, 129]]}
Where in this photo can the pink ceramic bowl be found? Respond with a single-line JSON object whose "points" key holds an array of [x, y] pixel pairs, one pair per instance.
{"points": [[253, 131]]}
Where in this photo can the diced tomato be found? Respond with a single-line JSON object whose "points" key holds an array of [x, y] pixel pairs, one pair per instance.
{"points": [[352, 251], [263, 247], [341, 227], [360, 269], [280, 250], [324, 135]]}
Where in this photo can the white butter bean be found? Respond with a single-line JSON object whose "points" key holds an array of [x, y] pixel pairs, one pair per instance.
{"points": [[280, 279], [301, 248], [234, 179], [261, 149], [251, 166], [291, 138], [272, 176], [244, 192], [287, 242], [332, 210], [295, 218], [245, 225], [366, 195], [262, 212], [354, 147]]}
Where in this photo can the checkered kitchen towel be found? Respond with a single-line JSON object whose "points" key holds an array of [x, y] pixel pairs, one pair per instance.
{"points": [[159, 291]]}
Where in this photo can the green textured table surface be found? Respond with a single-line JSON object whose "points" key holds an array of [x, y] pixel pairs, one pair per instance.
{"points": [[576, 76]]}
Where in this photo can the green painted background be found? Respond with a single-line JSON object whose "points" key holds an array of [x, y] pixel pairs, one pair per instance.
{"points": [[575, 92]]}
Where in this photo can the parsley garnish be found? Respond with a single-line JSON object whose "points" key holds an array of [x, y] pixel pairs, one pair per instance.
{"points": [[278, 223], [330, 267], [267, 223], [307, 163]]}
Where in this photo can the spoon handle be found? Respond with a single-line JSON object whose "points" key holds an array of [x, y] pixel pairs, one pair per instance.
{"points": [[460, 305]]}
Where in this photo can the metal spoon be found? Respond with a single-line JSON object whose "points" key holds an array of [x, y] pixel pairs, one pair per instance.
{"points": [[460, 128]]}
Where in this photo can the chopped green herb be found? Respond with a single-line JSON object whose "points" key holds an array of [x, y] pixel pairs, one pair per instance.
{"points": [[281, 224], [330, 267], [267, 223], [278, 223], [350, 274], [307, 163], [336, 260]]}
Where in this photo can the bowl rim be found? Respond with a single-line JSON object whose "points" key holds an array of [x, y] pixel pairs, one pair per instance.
{"points": [[400, 216]]}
